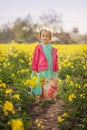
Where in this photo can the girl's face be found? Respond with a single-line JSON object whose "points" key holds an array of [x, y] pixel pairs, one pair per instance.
{"points": [[45, 37]]}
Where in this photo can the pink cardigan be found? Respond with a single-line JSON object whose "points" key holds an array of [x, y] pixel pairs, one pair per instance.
{"points": [[39, 61]]}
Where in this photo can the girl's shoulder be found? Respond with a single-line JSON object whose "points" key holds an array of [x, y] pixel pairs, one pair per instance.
{"points": [[54, 47], [38, 46]]}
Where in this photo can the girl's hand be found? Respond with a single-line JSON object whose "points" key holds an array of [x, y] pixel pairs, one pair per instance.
{"points": [[34, 72]]}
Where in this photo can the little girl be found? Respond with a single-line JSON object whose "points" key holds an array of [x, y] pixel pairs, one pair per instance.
{"points": [[45, 63]]}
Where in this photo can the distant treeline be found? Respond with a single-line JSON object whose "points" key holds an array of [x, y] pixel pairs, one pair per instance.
{"points": [[24, 30]]}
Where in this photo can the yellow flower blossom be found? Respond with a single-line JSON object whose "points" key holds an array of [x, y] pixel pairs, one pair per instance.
{"points": [[33, 82], [71, 83], [59, 81], [27, 82], [72, 66], [21, 61], [82, 95], [23, 71], [0, 81], [13, 75], [68, 77], [29, 63], [71, 97], [84, 67], [85, 85], [78, 86], [42, 127], [8, 91], [8, 63], [15, 55], [5, 65], [2, 85], [16, 124], [16, 96], [39, 124], [37, 120], [60, 119], [42, 81], [65, 114], [8, 107]]}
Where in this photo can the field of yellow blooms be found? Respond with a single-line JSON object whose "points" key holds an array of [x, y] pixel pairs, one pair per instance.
{"points": [[15, 79]]}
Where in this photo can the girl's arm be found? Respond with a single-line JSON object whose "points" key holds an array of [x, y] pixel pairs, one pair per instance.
{"points": [[35, 60]]}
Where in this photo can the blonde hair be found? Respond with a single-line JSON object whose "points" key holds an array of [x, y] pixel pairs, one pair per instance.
{"points": [[50, 34]]}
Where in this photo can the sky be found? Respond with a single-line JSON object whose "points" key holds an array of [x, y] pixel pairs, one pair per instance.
{"points": [[74, 12]]}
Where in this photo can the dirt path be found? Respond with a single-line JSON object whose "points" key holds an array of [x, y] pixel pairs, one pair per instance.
{"points": [[47, 112]]}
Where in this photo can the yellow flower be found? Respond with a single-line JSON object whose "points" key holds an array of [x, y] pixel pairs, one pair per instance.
{"points": [[16, 96], [3, 85], [8, 63], [13, 75], [5, 65], [42, 126], [33, 82], [8, 91], [85, 85], [65, 114], [39, 124], [23, 70], [71, 83], [41, 81], [84, 67], [78, 86], [27, 82], [72, 66], [60, 119], [15, 55], [0, 81], [82, 95], [21, 61], [68, 77], [37, 120], [59, 81], [16, 124], [71, 97], [8, 107]]}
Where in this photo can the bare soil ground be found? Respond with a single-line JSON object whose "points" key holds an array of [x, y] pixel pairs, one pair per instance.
{"points": [[47, 112]]}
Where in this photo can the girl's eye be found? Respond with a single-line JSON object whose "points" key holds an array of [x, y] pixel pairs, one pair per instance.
{"points": [[45, 36]]}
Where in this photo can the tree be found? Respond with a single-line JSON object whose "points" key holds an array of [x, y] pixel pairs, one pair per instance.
{"points": [[75, 30], [6, 34], [23, 29], [51, 20]]}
